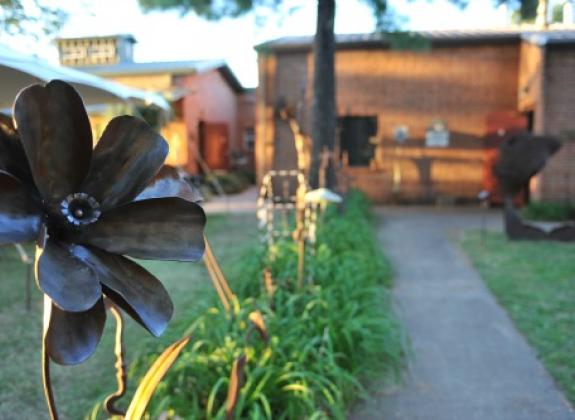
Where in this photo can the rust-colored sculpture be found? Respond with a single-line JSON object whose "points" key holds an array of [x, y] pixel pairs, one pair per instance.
{"points": [[79, 205], [522, 157]]}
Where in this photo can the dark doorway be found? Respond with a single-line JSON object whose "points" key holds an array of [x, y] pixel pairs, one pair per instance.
{"points": [[530, 116], [355, 135]]}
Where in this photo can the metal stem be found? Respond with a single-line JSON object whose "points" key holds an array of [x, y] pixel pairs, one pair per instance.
{"points": [[218, 279], [48, 393], [29, 274], [121, 374]]}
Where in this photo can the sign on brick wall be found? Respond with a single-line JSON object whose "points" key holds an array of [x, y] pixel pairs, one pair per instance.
{"points": [[437, 135]]}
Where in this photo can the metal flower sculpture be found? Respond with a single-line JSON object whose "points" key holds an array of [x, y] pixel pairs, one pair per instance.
{"points": [[78, 204]]}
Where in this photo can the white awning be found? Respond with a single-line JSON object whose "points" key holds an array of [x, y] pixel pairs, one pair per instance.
{"points": [[18, 70]]}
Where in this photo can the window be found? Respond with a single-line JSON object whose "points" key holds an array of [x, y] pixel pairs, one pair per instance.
{"points": [[249, 138], [355, 139]]}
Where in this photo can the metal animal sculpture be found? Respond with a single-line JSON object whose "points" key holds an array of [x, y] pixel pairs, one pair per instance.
{"points": [[520, 158]]}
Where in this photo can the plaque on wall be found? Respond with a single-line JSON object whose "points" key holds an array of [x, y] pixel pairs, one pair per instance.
{"points": [[401, 133], [437, 135]]}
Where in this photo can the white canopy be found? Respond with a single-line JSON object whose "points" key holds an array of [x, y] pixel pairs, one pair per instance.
{"points": [[19, 70]]}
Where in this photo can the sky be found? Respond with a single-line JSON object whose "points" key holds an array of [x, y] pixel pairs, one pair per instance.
{"points": [[166, 36]]}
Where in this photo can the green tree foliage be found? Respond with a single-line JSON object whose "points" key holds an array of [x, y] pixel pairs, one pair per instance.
{"points": [[29, 17], [557, 12], [208, 9], [214, 10], [523, 10]]}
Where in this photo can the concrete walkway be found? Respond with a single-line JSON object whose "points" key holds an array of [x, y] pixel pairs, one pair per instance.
{"points": [[469, 360]]}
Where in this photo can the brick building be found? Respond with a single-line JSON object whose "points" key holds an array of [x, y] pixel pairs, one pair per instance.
{"points": [[425, 125], [213, 119]]}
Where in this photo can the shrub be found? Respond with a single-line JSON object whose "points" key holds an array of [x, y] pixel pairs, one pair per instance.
{"points": [[559, 212], [324, 340]]}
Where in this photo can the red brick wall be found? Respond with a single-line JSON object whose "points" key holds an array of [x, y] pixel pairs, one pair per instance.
{"points": [[265, 126], [461, 85], [290, 88], [210, 99], [246, 105], [560, 90], [557, 181]]}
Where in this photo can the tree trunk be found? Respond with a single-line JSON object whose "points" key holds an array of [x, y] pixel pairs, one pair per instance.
{"points": [[323, 106], [542, 20]]}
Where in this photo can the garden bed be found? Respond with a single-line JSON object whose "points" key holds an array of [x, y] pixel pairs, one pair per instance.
{"points": [[324, 339]]}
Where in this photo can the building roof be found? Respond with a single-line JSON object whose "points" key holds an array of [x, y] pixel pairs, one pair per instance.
{"points": [[550, 37], [128, 37], [383, 40], [171, 67]]}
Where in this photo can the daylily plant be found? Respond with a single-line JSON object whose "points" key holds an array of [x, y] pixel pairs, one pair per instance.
{"points": [[80, 205]]}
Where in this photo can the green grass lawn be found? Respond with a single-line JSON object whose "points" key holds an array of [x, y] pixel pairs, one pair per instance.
{"points": [[535, 282], [77, 387]]}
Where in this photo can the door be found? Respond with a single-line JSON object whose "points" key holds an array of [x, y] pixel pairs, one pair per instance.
{"points": [[214, 145], [355, 139]]}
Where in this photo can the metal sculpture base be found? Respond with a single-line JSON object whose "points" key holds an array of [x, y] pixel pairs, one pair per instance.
{"points": [[517, 229]]}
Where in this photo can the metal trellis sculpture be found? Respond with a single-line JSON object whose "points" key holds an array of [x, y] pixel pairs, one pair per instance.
{"points": [[80, 205]]}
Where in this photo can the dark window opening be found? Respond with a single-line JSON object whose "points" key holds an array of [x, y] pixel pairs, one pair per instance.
{"points": [[530, 116], [249, 138], [355, 139]]}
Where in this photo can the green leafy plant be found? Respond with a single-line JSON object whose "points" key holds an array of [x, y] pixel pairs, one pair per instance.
{"points": [[559, 212], [324, 340]]}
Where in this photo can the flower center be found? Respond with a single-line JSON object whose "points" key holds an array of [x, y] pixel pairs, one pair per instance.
{"points": [[80, 209]]}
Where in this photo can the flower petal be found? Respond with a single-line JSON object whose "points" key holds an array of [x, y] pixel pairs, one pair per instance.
{"points": [[169, 183], [56, 135], [19, 216], [66, 278], [125, 160], [132, 288], [72, 337], [159, 228], [12, 155]]}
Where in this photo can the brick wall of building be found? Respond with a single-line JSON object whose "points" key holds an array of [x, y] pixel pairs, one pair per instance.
{"points": [[265, 126], [560, 90], [459, 85], [211, 99], [246, 105], [455, 85], [290, 89], [557, 181]]}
